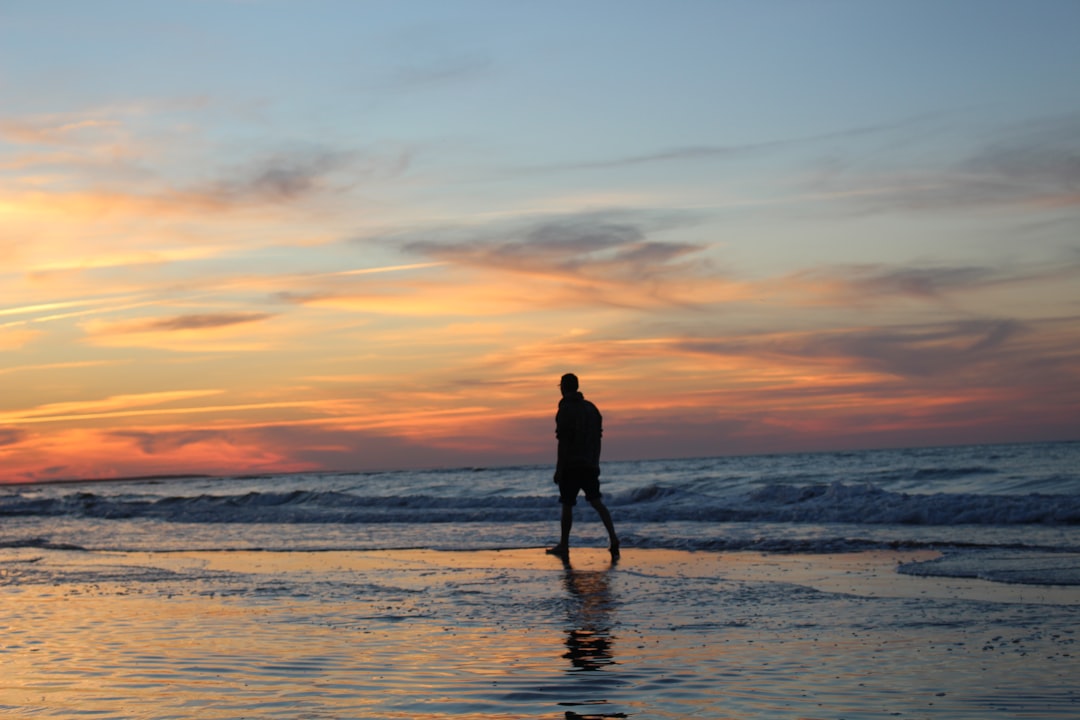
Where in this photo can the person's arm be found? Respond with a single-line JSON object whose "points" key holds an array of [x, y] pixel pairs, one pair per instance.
{"points": [[559, 448]]}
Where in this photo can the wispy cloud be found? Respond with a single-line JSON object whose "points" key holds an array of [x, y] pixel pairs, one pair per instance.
{"points": [[867, 284], [46, 307], [930, 351], [437, 71], [184, 322], [49, 367], [54, 129], [168, 442], [692, 153], [509, 266], [570, 245], [123, 258], [11, 436], [1036, 165], [919, 282], [53, 412], [201, 332], [136, 406], [118, 161], [384, 269], [964, 354], [592, 257], [78, 452], [293, 175], [15, 338]]}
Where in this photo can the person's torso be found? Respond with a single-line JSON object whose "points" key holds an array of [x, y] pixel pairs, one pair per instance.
{"points": [[579, 427]]}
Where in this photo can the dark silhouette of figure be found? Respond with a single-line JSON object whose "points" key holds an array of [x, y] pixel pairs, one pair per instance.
{"points": [[579, 426]]}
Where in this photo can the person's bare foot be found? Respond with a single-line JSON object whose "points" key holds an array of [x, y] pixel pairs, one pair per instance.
{"points": [[559, 550], [614, 550]]}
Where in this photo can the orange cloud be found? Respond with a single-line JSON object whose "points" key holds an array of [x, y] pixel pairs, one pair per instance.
{"points": [[51, 130], [16, 338], [91, 453]]}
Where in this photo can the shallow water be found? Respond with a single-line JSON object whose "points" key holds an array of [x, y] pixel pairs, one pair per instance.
{"points": [[517, 634]]}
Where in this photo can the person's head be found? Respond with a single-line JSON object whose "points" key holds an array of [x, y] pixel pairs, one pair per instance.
{"points": [[568, 384]]}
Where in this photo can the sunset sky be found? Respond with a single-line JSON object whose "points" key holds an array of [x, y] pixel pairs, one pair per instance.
{"points": [[245, 236]]}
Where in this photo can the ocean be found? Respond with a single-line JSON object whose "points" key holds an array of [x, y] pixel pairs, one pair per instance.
{"points": [[922, 583], [1003, 512]]}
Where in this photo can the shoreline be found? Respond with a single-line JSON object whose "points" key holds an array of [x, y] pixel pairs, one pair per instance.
{"points": [[871, 573], [866, 573]]}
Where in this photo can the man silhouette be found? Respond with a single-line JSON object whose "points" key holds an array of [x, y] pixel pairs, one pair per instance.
{"points": [[578, 426]]}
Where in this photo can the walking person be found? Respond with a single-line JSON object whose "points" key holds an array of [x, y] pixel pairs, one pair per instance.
{"points": [[578, 427]]}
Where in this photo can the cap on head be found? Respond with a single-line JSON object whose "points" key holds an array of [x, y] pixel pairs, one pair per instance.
{"points": [[569, 381]]}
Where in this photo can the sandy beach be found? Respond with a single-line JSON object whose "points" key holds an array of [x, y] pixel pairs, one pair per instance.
{"points": [[516, 633]]}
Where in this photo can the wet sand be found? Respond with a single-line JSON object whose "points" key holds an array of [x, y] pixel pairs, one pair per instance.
{"points": [[516, 633]]}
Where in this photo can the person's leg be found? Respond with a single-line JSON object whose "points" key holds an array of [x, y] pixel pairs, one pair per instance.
{"points": [[605, 517], [566, 522], [568, 492]]}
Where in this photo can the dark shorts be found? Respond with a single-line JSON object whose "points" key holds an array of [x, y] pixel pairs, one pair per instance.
{"points": [[576, 480]]}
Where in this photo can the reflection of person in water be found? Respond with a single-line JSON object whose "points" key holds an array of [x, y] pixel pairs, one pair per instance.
{"points": [[589, 640]]}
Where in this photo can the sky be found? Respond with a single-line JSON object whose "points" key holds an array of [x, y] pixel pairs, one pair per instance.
{"points": [[244, 237]]}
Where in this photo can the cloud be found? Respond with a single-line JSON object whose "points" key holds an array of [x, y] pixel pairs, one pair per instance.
{"points": [[1035, 165], [437, 71], [167, 442], [53, 306], [1041, 164], [280, 178], [190, 322], [15, 338], [870, 283], [288, 179], [88, 127], [72, 152], [289, 176], [204, 332], [919, 281], [918, 351], [105, 160], [113, 405], [271, 182], [149, 405], [603, 247], [52, 129], [691, 153], [93, 453], [11, 436], [942, 350], [585, 262], [350, 448], [48, 367]]}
